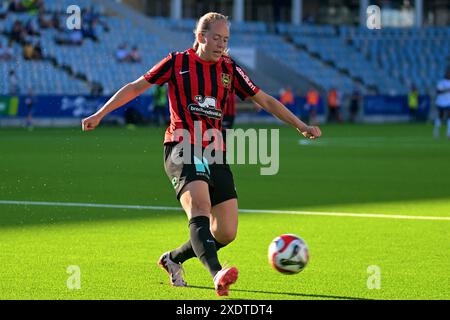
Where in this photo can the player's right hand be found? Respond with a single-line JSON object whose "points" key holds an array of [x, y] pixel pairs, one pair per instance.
{"points": [[90, 123], [311, 132]]}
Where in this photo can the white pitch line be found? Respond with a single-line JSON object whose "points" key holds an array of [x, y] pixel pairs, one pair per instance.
{"points": [[162, 208], [344, 214]]}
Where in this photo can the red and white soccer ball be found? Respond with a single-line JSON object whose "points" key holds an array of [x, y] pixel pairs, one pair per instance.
{"points": [[288, 254]]}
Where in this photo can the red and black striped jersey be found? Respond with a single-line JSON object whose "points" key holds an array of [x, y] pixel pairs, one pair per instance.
{"points": [[198, 91], [230, 108]]}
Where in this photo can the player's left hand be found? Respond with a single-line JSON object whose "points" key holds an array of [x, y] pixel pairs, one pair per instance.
{"points": [[90, 123]]}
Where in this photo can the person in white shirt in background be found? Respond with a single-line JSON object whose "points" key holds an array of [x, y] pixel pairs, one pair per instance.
{"points": [[443, 104], [122, 53], [13, 83]]}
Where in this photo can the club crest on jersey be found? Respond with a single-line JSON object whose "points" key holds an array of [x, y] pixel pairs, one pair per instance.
{"points": [[226, 79]]}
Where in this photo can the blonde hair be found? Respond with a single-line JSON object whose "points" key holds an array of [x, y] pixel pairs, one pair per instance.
{"points": [[204, 24]]}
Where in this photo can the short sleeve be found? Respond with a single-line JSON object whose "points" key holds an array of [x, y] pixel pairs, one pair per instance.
{"points": [[243, 85], [161, 72]]}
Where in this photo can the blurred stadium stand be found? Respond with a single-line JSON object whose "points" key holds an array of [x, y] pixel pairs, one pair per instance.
{"points": [[410, 56], [40, 76], [386, 61], [330, 56]]}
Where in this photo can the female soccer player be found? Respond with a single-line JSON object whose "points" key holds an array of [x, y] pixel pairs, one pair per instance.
{"points": [[200, 80]]}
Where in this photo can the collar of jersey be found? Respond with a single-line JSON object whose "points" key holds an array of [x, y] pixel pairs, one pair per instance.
{"points": [[196, 57]]}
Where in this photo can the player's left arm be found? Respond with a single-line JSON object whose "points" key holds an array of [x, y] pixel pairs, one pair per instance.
{"points": [[275, 107]]}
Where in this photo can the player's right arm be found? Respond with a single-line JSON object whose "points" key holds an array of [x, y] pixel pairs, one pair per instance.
{"points": [[120, 98]]}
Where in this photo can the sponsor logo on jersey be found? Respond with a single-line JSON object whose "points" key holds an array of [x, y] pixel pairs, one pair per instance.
{"points": [[246, 78], [206, 106]]}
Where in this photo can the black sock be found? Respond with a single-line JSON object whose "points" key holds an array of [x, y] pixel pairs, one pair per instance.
{"points": [[203, 244], [182, 253], [185, 251]]}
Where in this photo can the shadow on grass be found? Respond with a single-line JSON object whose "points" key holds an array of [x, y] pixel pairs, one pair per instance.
{"points": [[29, 215], [294, 294]]}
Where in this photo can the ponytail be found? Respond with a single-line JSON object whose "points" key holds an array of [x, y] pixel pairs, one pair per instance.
{"points": [[196, 44]]}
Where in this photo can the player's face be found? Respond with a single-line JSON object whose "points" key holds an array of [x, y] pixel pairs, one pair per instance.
{"points": [[216, 40]]}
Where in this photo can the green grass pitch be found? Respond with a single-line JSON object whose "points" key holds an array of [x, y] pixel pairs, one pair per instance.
{"points": [[378, 169]]}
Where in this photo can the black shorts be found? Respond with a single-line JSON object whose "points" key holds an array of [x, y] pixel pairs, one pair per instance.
{"points": [[218, 176]]}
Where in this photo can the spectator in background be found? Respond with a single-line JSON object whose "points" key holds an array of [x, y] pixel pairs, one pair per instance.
{"points": [[287, 97], [17, 32], [3, 11], [43, 22], [29, 103], [88, 30], [94, 16], [334, 105], [413, 104], [13, 83], [55, 22], [40, 4], [122, 54], [299, 112], [87, 15], [91, 18], [9, 51], [37, 51], [134, 55], [31, 52], [340, 102], [312, 103], [28, 51], [159, 105], [32, 29], [355, 101], [16, 6], [74, 37], [443, 104], [31, 6], [96, 89]]}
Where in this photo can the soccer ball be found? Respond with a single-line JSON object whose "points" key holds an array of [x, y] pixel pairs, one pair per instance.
{"points": [[288, 254]]}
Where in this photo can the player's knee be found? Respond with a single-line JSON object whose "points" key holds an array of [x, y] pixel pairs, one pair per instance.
{"points": [[227, 237], [200, 206]]}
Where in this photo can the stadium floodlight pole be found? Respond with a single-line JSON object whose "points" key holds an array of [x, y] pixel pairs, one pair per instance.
{"points": [[238, 10], [363, 4], [297, 12], [418, 17], [176, 9]]}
